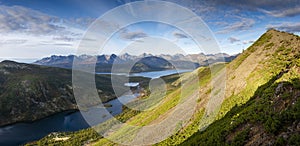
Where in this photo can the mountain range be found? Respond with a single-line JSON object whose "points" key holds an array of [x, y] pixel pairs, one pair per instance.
{"points": [[144, 62]]}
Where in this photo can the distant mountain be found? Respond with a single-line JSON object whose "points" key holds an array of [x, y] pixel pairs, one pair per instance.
{"points": [[201, 59], [151, 63], [104, 62]]}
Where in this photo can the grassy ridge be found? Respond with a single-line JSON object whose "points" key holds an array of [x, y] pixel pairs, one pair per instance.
{"points": [[277, 54], [265, 119]]}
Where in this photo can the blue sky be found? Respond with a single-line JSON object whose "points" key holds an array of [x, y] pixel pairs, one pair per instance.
{"points": [[35, 28]]}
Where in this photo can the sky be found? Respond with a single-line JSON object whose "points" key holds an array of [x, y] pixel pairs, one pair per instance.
{"points": [[32, 29]]}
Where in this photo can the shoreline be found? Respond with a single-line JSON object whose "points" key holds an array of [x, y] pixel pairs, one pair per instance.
{"points": [[70, 111]]}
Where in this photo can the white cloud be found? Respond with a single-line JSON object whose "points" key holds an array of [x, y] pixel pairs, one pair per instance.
{"points": [[26, 33], [243, 24], [276, 8], [20, 19], [287, 26], [32, 46], [179, 35], [289, 12], [233, 40], [134, 35], [248, 42]]}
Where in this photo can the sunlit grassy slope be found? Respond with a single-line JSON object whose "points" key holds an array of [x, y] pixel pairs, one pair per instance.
{"points": [[268, 74], [251, 83]]}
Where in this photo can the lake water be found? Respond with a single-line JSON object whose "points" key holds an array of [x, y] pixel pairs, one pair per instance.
{"points": [[21, 133], [157, 74], [152, 74]]}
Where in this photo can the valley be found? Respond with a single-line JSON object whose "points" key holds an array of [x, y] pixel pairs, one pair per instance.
{"points": [[260, 105], [69, 119]]}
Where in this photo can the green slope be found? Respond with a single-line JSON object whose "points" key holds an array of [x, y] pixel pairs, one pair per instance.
{"points": [[270, 117], [251, 78], [273, 53], [90, 135]]}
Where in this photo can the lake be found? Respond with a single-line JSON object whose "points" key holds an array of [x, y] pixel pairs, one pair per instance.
{"points": [[152, 74], [21, 133]]}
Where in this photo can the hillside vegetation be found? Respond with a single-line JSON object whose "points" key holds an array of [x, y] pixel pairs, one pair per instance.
{"points": [[30, 92], [266, 111], [261, 103]]}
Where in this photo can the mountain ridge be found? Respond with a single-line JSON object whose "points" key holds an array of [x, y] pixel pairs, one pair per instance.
{"points": [[104, 63], [255, 115]]}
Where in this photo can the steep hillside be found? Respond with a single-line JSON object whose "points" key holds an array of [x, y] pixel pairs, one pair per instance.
{"points": [[261, 99], [30, 92], [270, 117], [268, 74]]}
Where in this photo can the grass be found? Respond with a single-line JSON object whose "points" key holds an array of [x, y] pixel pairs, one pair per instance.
{"points": [[255, 103], [254, 112]]}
